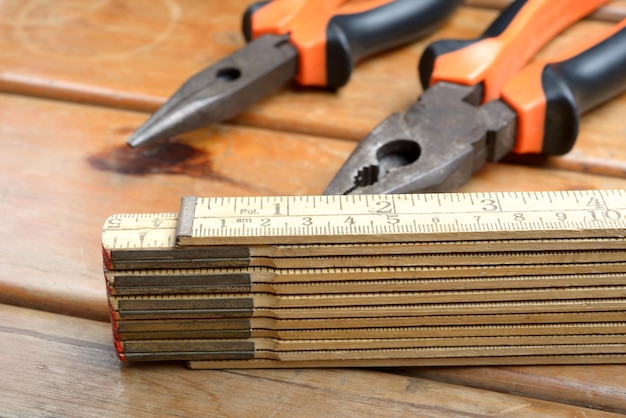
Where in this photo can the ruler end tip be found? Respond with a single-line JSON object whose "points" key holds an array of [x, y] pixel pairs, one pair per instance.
{"points": [[184, 227]]}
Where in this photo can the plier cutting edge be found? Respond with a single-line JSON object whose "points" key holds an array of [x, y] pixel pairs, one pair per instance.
{"points": [[316, 43], [481, 102]]}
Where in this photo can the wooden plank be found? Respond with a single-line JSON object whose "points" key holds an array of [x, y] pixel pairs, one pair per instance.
{"points": [[600, 385], [48, 356], [70, 162], [137, 59], [170, 42]]}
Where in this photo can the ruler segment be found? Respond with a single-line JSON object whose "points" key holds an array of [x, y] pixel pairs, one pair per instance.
{"points": [[362, 274], [152, 257], [523, 360], [434, 352], [178, 334], [270, 325], [130, 249], [235, 301], [190, 258], [128, 245], [164, 227], [402, 218], [177, 355], [266, 347], [560, 257], [600, 348], [193, 345], [154, 282], [140, 221], [398, 248], [389, 333], [463, 308]]}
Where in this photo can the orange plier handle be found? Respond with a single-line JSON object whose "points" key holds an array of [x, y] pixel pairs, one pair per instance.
{"points": [[548, 97], [333, 35]]}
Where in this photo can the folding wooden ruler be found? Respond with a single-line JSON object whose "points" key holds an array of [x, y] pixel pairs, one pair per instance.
{"points": [[311, 281]]}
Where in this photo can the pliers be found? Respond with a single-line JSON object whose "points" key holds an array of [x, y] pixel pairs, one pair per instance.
{"points": [[315, 42], [481, 102]]}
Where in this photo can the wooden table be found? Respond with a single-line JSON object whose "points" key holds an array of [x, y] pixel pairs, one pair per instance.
{"points": [[77, 78]]}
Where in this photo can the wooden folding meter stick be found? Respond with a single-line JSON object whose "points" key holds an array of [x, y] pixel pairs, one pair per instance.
{"points": [[378, 280]]}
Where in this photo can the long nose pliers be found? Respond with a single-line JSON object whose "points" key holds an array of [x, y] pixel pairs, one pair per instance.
{"points": [[314, 42]]}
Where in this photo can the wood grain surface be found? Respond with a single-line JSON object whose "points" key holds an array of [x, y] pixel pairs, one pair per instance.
{"points": [[65, 169], [134, 60], [602, 385]]}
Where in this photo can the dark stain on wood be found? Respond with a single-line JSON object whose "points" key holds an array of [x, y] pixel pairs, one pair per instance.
{"points": [[164, 158]]}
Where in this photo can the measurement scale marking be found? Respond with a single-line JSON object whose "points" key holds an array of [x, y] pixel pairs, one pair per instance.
{"points": [[385, 218]]}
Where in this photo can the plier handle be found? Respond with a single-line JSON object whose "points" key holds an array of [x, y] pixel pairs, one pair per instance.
{"points": [[331, 36]]}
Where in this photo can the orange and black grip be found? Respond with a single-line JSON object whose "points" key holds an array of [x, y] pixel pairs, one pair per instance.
{"points": [[550, 97], [446, 46], [507, 45], [332, 37]]}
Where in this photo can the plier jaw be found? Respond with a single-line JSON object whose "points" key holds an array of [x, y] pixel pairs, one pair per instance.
{"points": [[220, 91], [436, 145]]}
